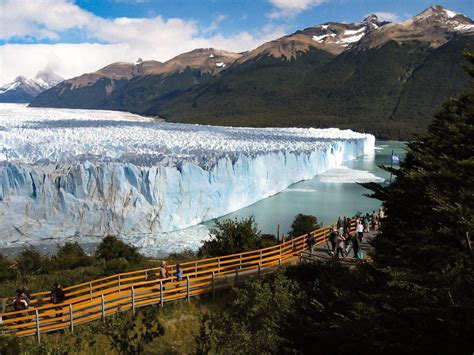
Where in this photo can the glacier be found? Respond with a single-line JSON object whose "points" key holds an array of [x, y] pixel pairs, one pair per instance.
{"points": [[90, 173]]}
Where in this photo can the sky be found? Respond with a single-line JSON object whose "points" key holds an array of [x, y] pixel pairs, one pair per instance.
{"points": [[74, 37]]}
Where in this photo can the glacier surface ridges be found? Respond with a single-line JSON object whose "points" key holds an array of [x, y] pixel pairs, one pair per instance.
{"points": [[83, 172]]}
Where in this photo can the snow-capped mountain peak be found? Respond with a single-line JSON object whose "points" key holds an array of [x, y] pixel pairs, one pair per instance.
{"points": [[47, 79], [442, 17], [25, 90]]}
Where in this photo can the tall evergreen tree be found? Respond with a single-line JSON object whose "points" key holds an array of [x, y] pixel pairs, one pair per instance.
{"points": [[425, 244]]}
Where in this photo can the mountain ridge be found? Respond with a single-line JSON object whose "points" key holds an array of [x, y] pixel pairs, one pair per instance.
{"points": [[318, 76], [24, 90]]}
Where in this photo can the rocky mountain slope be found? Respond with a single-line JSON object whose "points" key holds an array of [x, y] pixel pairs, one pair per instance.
{"points": [[23, 90], [121, 85], [383, 78]]}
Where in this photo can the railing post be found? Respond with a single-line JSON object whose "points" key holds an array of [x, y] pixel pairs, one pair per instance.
{"points": [[301, 256], [218, 264], [146, 274], [236, 275], [90, 290], [103, 307], [162, 301], [260, 256], [38, 333], [195, 267], [188, 296], [213, 284], [259, 272], [133, 299], [71, 318], [119, 282], [279, 262]]}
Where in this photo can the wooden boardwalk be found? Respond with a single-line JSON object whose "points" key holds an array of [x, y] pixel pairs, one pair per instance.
{"points": [[98, 299]]}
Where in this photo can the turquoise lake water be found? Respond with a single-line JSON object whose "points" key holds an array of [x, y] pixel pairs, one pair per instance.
{"points": [[325, 196], [325, 200]]}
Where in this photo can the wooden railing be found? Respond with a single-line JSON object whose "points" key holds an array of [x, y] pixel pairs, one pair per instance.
{"points": [[100, 298]]}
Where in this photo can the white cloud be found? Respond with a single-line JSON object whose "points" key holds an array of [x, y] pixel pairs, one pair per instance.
{"points": [[214, 24], [121, 39], [388, 16], [291, 8]]}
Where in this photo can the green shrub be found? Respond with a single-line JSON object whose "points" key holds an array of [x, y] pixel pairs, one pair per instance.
{"points": [[113, 248], [71, 256], [231, 236], [303, 224], [30, 262]]}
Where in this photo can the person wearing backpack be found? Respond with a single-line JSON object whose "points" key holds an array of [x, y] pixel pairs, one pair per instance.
{"points": [[19, 302]]}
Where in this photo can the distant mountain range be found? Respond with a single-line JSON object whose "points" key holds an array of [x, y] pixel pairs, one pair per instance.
{"points": [[23, 90], [384, 78]]}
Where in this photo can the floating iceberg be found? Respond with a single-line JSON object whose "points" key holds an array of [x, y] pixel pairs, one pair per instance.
{"points": [[88, 173]]}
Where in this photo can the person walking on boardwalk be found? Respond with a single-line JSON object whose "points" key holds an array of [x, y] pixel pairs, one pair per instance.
{"points": [[311, 241], [355, 245], [374, 220], [179, 272], [164, 272], [339, 222], [333, 239], [19, 302], [340, 246], [360, 230], [345, 224], [347, 243], [25, 292], [57, 296], [366, 222]]}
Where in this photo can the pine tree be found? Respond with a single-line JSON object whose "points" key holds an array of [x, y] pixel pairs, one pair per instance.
{"points": [[424, 245]]}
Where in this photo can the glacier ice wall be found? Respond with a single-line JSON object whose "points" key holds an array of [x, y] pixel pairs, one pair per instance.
{"points": [[82, 172]]}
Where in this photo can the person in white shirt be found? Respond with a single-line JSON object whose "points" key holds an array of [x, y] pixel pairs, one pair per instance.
{"points": [[360, 230]]}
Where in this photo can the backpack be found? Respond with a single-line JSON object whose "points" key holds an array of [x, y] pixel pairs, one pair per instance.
{"points": [[19, 303]]}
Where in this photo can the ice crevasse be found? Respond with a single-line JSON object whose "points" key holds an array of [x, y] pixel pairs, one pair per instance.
{"points": [[83, 172]]}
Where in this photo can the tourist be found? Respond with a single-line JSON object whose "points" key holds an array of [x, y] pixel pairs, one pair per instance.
{"points": [[57, 294], [381, 216], [311, 241], [164, 273], [339, 222], [374, 220], [366, 222], [347, 245], [346, 224], [179, 272], [355, 246], [25, 292], [333, 239], [360, 230], [19, 302], [340, 246]]}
